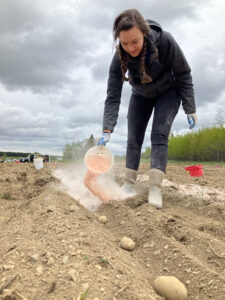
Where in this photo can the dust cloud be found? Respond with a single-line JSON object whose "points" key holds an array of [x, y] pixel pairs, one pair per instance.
{"points": [[72, 182], [196, 190]]}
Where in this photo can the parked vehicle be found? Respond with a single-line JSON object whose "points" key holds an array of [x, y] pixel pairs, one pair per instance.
{"points": [[24, 160], [30, 158]]}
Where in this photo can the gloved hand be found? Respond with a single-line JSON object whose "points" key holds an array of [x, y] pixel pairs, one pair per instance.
{"points": [[104, 138], [192, 120]]}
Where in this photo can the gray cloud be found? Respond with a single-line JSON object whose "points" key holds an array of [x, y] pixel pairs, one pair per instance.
{"points": [[39, 49], [19, 122], [100, 67], [209, 75], [54, 66], [41, 44]]}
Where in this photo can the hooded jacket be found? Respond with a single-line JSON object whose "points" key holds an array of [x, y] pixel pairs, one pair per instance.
{"points": [[165, 63]]}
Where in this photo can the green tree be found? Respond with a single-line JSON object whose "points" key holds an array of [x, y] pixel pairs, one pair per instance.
{"points": [[208, 144], [76, 150], [90, 142], [146, 154], [67, 152]]}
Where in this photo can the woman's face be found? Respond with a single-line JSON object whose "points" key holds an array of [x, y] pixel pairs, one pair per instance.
{"points": [[132, 40]]}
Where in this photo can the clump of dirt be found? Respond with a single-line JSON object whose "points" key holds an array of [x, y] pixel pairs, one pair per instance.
{"points": [[41, 182], [52, 247], [22, 177]]}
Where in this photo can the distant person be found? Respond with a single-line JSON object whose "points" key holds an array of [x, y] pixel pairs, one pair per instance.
{"points": [[160, 78]]}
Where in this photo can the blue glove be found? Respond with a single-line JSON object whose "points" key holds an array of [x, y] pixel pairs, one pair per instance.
{"points": [[192, 120], [104, 138]]}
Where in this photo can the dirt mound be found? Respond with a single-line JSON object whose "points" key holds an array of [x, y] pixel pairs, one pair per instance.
{"points": [[51, 247]]}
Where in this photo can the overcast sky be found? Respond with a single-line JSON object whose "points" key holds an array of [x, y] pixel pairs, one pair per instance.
{"points": [[54, 61]]}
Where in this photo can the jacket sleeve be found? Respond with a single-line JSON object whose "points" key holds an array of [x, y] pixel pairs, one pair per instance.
{"points": [[112, 102], [182, 73]]}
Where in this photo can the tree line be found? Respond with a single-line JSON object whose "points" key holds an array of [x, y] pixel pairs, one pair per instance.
{"points": [[77, 150], [208, 144], [14, 154]]}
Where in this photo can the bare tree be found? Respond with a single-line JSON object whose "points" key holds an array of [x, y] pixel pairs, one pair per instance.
{"points": [[220, 117]]}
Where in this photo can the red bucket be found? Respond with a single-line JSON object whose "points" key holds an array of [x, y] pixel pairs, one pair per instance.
{"points": [[195, 171]]}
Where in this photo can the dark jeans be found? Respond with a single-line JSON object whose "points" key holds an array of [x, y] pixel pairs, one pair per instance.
{"points": [[139, 112]]}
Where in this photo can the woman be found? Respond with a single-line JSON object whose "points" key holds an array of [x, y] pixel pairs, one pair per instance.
{"points": [[160, 78]]}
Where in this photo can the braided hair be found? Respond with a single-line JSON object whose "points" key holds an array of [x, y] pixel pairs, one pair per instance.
{"points": [[125, 21], [124, 64]]}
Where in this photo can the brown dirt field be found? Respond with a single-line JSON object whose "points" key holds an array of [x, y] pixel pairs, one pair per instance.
{"points": [[51, 247]]}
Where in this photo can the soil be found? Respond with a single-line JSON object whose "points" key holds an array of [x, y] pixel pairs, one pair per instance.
{"points": [[52, 247]]}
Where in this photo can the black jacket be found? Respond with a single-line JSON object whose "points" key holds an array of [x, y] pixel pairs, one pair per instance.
{"points": [[165, 63]]}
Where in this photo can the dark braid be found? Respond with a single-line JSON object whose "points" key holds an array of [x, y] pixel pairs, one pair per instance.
{"points": [[145, 77], [124, 65]]}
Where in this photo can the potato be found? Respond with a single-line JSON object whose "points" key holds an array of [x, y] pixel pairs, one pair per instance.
{"points": [[102, 219], [170, 288], [127, 243]]}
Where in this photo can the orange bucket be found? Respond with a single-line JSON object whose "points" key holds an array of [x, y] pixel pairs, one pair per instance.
{"points": [[195, 171], [99, 160]]}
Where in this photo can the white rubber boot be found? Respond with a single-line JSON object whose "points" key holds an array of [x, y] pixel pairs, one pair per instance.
{"points": [[156, 178], [129, 184]]}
